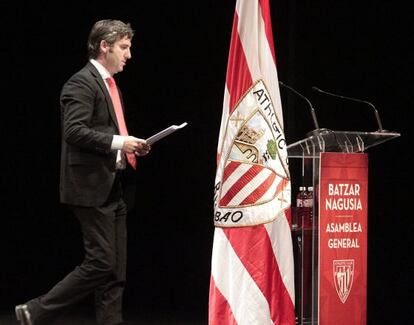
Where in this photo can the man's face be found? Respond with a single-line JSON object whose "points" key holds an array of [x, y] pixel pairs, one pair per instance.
{"points": [[116, 56]]}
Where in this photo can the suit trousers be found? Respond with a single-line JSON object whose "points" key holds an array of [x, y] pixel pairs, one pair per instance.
{"points": [[103, 270]]}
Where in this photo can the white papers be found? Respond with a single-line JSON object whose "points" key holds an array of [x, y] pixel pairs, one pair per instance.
{"points": [[151, 140]]}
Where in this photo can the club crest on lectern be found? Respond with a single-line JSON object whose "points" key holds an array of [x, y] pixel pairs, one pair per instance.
{"points": [[343, 274]]}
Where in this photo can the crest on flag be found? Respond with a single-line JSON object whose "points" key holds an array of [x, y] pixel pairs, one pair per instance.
{"points": [[252, 179], [343, 273]]}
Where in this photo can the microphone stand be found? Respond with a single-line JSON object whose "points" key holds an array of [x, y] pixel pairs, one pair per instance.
{"points": [[377, 117], [317, 130]]}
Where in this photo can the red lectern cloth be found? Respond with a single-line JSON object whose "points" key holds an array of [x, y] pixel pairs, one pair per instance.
{"points": [[343, 228]]}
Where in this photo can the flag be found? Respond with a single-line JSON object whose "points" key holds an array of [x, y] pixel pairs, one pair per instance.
{"points": [[252, 259]]}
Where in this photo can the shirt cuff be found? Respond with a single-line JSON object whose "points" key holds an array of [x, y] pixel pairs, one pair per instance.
{"points": [[117, 142]]}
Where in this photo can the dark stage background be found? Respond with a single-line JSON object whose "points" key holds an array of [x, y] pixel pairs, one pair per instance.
{"points": [[361, 49]]}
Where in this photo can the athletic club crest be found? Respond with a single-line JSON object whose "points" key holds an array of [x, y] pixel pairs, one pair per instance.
{"points": [[252, 180], [343, 273]]}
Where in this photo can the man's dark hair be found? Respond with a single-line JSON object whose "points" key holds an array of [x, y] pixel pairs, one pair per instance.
{"points": [[108, 30]]}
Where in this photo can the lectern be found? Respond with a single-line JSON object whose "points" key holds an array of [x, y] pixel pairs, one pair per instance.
{"points": [[331, 247]]}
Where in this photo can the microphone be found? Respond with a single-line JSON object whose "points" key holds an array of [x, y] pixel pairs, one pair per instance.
{"points": [[377, 117], [312, 110]]}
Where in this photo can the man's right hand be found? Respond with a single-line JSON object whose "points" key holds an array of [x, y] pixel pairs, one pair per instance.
{"points": [[133, 145]]}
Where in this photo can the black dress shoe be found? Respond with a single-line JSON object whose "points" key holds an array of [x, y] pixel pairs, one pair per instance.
{"points": [[23, 315]]}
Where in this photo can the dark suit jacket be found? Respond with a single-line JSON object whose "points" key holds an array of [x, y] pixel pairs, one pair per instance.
{"points": [[88, 124]]}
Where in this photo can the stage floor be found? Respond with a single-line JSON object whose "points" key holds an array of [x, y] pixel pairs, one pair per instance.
{"points": [[8, 318]]}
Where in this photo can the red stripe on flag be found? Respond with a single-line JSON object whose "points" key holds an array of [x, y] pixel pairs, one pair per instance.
{"points": [[264, 4], [238, 77], [281, 186], [260, 191], [240, 184], [288, 214], [219, 311], [259, 260], [229, 169]]}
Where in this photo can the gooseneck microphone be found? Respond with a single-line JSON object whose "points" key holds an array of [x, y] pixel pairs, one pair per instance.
{"points": [[312, 110], [377, 117]]}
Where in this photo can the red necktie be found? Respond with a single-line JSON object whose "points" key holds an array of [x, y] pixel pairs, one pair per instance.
{"points": [[113, 91]]}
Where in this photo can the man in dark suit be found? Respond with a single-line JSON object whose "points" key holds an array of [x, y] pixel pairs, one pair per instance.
{"points": [[96, 151]]}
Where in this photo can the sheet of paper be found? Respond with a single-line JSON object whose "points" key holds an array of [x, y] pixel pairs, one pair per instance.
{"points": [[151, 140]]}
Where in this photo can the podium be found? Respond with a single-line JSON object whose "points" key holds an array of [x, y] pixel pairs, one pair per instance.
{"points": [[330, 239]]}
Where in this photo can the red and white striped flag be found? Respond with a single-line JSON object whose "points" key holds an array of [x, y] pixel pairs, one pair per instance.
{"points": [[252, 260]]}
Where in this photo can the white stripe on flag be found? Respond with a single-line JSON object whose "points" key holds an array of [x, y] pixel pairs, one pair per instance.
{"points": [[234, 177], [224, 117], [257, 50], [246, 301], [279, 234], [272, 189], [250, 186]]}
